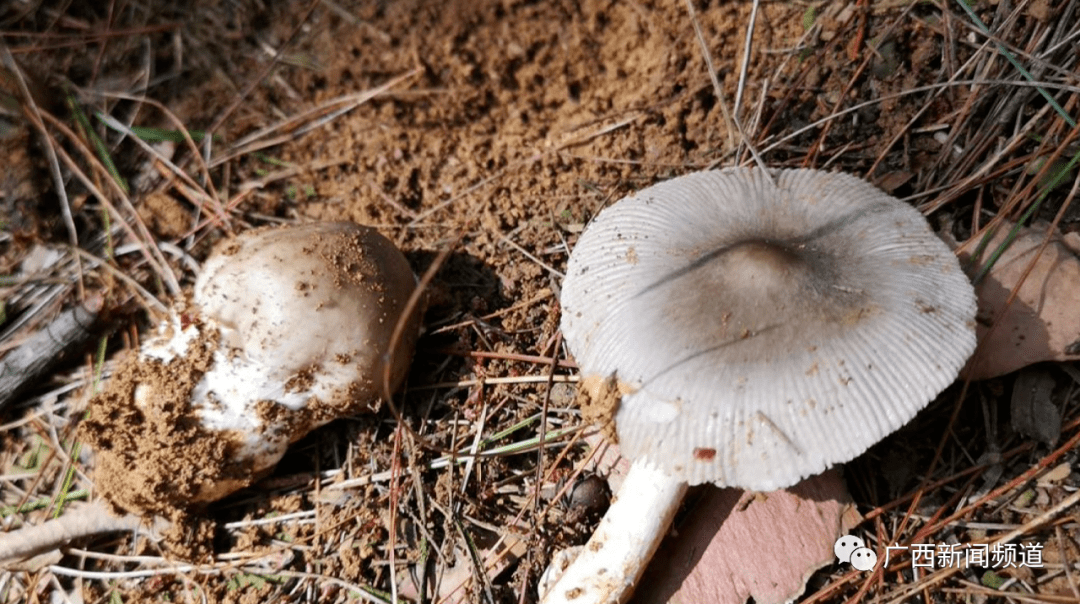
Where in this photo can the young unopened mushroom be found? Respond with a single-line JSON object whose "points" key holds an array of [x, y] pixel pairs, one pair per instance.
{"points": [[759, 328], [288, 329]]}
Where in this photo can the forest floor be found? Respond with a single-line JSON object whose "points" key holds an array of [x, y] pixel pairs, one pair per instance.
{"points": [[494, 130]]}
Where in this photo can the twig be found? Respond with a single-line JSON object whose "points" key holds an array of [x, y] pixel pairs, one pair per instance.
{"points": [[36, 357], [84, 521]]}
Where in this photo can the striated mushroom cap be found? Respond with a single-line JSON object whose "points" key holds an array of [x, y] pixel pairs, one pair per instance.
{"points": [[764, 332]]}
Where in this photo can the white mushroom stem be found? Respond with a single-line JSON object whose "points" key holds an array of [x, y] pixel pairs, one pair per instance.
{"points": [[610, 564]]}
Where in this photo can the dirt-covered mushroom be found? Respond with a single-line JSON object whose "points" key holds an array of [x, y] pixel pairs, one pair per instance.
{"points": [[288, 329], [757, 328]]}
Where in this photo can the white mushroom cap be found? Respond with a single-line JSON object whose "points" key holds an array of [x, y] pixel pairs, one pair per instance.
{"points": [[288, 329], [764, 332], [305, 315], [323, 297]]}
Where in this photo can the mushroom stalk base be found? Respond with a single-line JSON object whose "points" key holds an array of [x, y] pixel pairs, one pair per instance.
{"points": [[610, 564]]}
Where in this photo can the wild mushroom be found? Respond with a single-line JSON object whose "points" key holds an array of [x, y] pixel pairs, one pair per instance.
{"points": [[288, 329], [759, 328]]}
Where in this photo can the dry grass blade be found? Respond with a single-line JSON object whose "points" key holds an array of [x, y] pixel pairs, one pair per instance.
{"points": [[50, 150], [718, 90], [482, 138], [306, 121]]}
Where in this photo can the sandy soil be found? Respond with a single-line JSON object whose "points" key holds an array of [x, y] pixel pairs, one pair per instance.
{"points": [[510, 125]]}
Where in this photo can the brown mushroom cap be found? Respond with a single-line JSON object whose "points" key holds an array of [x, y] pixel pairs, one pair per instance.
{"points": [[764, 331]]}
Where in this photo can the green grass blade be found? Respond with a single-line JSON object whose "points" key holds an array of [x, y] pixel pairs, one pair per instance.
{"points": [[98, 144], [1009, 57], [1056, 179]]}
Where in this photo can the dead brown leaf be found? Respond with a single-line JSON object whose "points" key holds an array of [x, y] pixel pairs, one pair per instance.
{"points": [[733, 545], [1043, 322], [737, 545]]}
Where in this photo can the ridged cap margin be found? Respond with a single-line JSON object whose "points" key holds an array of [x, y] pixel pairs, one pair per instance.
{"points": [[767, 331]]}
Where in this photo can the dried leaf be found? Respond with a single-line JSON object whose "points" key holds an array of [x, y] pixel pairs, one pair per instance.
{"points": [[737, 545], [733, 545], [893, 180], [1057, 474], [1042, 323], [1034, 414]]}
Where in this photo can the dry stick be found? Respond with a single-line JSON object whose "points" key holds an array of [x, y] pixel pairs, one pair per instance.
{"points": [[180, 570], [860, 31], [40, 352], [492, 315], [512, 356], [146, 297], [1060, 534], [36, 300], [731, 120], [85, 36], [39, 477], [968, 590], [197, 158], [781, 108], [395, 490], [1011, 106], [744, 67], [470, 546], [84, 521], [529, 255]]}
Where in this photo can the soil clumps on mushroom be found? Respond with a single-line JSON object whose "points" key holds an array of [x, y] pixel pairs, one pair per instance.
{"points": [[288, 329]]}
